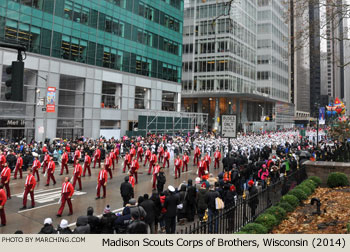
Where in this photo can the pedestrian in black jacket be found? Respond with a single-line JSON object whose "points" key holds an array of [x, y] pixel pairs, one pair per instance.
{"points": [[83, 226], [212, 211], [122, 222], [191, 201], [170, 205], [137, 226], [11, 160], [126, 191], [93, 221], [48, 227], [161, 179], [63, 228], [107, 221], [181, 211], [158, 207], [150, 209], [253, 197]]}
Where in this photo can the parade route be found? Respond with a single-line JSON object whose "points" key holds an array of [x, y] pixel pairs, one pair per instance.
{"points": [[30, 220]]}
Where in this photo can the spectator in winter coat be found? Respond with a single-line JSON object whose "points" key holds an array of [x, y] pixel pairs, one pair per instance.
{"points": [[191, 201], [63, 228], [122, 222], [253, 197], [181, 212], [212, 179], [134, 208], [170, 205], [107, 221], [210, 199], [126, 191], [229, 195], [150, 209], [161, 180], [93, 221], [158, 207], [83, 226], [263, 174], [137, 226], [201, 203], [48, 227]]}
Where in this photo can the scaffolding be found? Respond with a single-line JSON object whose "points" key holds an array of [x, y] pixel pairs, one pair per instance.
{"points": [[163, 122]]}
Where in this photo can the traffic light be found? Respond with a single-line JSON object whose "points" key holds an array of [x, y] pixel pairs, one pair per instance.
{"points": [[16, 71]]}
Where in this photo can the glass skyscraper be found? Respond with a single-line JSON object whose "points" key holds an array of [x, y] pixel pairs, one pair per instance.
{"points": [[220, 62], [110, 61]]}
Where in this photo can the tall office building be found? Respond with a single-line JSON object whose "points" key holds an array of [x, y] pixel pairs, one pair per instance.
{"points": [[220, 63], [335, 49], [305, 58], [110, 61], [272, 49]]}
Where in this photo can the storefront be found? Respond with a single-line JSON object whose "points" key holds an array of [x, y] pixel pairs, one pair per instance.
{"points": [[15, 129]]}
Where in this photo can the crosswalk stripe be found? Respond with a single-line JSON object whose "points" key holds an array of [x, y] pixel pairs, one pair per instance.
{"points": [[44, 197]]}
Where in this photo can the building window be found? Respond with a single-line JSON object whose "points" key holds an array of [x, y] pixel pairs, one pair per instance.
{"points": [[109, 124], [142, 98], [111, 95], [169, 101]]}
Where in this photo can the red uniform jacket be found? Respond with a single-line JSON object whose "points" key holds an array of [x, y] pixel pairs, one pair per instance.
{"points": [[133, 151], [87, 159], [156, 169], [135, 165], [97, 154], [197, 152], [202, 165], [154, 158], [47, 158], [178, 162], [52, 166], [108, 162], [2, 159], [3, 197], [64, 158], [207, 159], [77, 154], [19, 162], [112, 155], [102, 175], [161, 151], [36, 164], [67, 187], [167, 155], [30, 182], [132, 181], [148, 153], [44, 149], [139, 150], [186, 159], [127, 158], [78, 170], [116, 152], [6, 173], [217, 155]]}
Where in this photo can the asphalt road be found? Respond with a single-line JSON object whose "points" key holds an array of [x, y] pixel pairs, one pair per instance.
{"points": [[31, 220]]}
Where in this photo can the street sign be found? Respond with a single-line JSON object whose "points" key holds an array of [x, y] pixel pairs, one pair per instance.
{"points": [[228, 125], [43, 109], [40, 102]]}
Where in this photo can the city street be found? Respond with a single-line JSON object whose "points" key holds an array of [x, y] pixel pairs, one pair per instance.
{"points": [[31, 220]]}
